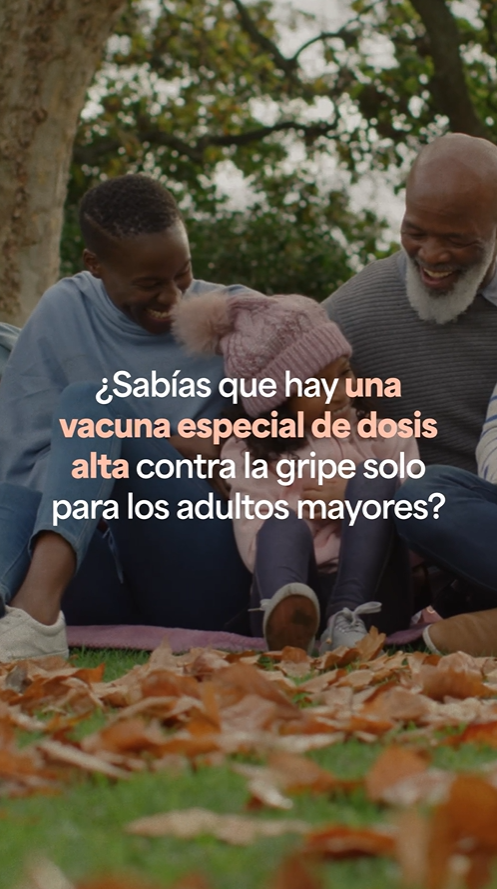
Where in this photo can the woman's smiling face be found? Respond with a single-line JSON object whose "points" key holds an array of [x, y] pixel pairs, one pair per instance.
{"points": [[146, 275]]}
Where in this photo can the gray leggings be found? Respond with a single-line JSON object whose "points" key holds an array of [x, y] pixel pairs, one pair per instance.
{"points": [[373, 562]]}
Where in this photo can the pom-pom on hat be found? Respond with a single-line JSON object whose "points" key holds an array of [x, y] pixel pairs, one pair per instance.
{"points": [[260, 337]]}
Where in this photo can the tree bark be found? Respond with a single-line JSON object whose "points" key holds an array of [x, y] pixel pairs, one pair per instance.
{"points": [[448, 86], [50, 50]]}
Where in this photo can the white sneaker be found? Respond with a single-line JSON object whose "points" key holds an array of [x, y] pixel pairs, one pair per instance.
{"points": [[346, 627], [21, 636], [429, 642], [291, 617]]}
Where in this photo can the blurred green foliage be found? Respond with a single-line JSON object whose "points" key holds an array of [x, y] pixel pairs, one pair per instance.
{"points": [[189, 85]]}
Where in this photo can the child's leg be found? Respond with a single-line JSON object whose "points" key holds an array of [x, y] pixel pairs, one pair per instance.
{"points": [[285, 582], [373, 566]]}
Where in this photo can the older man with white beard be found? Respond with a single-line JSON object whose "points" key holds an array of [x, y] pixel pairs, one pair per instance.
{"points": [[428, 314]]}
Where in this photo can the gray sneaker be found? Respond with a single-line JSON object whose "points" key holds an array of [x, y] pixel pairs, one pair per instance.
{"points": [[346, 627], [21, 636]]}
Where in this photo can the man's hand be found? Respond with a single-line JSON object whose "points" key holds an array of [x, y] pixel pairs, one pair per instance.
{"points": [[191, 447]]}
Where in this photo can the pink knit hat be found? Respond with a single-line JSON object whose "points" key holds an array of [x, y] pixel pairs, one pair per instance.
{"points": [[261, 336]]}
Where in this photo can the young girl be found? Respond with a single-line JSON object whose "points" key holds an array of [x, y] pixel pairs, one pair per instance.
{"points": [[303, 567]]}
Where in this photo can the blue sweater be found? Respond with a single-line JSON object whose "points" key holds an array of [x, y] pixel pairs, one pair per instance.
{"points": [[77, 334]]}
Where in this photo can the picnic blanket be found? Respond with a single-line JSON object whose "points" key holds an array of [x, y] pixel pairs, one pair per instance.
{"points": [[147, 638]]}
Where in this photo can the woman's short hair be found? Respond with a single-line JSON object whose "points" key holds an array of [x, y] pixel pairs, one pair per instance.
{"points": [[125, 207]]}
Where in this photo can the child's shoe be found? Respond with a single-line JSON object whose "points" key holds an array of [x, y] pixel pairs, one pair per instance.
{"points": [[291, 617], [346, 627], [21, 636]]}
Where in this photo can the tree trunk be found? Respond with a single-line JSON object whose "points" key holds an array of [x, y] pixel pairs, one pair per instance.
{"points": [[448, 85], [49, 51]]}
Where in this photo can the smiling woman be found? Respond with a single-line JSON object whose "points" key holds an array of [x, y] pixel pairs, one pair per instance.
{"points": [[112, 319], [145, 272]]}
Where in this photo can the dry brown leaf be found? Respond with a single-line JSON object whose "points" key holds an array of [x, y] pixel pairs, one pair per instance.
{"points": [[207, 662], [357, 679], [213, 704], [369, 647], [411, 849], [463, 827], [335, 700], [210, 704], [263, 787], [455, 676], [472, 806], [296, 773], [73, 756], [385, 666], [393, 765], [172, 710], [340, 841], [475, 734], [238, 830], [126, 736], [295, 662], [290, 773], [339, 657], [399, 704], [468, 710], [294, 874], [20, 764], [162, 656], [303, 743], [319, 683], [184, 744], [44, 874], [239, 680], [366, 723], [249, 713], [431, 786], [165, 683]]}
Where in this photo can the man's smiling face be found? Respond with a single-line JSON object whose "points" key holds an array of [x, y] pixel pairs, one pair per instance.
{"points": [[445, 241], [146, 275], [449, 235]]}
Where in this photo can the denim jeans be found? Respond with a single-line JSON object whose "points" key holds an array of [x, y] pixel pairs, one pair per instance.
{"points": [[462, 537], [373, 562], [174, 572]]}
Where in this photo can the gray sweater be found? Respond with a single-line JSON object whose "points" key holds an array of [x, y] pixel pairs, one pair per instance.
{"points": [[447, 371]]}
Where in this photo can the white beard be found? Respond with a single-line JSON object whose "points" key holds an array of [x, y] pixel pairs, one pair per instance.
{"points": [[444, 307]]}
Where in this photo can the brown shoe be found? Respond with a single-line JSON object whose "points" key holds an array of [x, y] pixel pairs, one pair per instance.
{"points": [[291, 617], [474, 633]]}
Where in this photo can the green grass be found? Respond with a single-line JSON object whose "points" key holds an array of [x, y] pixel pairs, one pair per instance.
{"points": [[82, 829], [117, 662]]}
